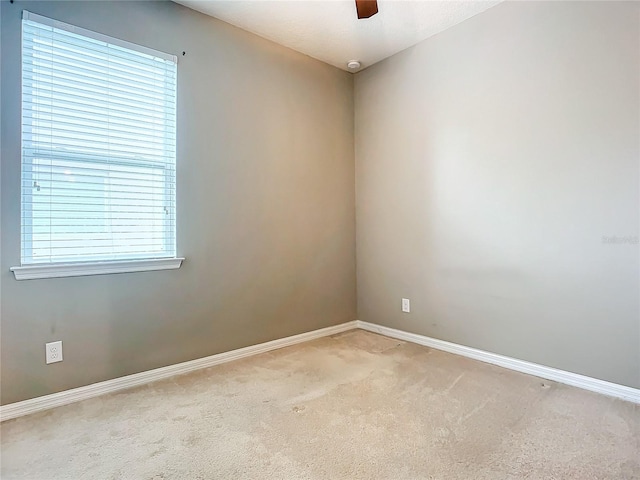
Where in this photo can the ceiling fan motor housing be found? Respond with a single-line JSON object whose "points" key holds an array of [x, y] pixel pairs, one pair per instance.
{"points": [[366, 8]]}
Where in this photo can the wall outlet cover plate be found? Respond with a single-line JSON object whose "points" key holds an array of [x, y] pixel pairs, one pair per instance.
{"points": [[53, 352], [406, 305]]}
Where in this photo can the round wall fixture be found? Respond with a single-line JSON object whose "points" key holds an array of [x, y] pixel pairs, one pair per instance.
{"points": [[353, 65]]}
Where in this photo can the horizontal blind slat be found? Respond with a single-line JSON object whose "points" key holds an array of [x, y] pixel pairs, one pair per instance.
{"points": [[48, 76], [84, 150], [37, 67], [68, 136], [127, 167], [62, 95], [71, 116], [116, 191], [54, 126], [41, 54], [34, 29]]}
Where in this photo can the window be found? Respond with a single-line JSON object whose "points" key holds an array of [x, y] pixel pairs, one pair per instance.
{"points": [[98, 148]]}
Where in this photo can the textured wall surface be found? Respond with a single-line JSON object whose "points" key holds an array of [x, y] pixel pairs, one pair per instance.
{"points": [[491, 160], [265, 209], [331, 31]]}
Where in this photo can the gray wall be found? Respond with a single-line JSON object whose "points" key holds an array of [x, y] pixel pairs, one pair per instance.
{"points": [[491, 160], [265, 209]]}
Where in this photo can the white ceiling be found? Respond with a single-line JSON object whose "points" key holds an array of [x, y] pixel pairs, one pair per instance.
{"points": [[329, 30]]}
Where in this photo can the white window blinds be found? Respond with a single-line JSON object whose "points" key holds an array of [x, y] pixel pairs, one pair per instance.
{"points": [[98, 147]]}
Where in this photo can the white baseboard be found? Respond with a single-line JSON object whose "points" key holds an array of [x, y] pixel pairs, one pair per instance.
{"points": [[18, 409], [599, 386]]}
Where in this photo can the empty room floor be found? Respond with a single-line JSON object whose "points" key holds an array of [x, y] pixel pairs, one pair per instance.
{"points": [[354, 405]]}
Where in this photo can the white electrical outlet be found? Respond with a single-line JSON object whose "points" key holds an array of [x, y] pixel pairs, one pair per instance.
{"points": [[406, 305], [54, 351]]}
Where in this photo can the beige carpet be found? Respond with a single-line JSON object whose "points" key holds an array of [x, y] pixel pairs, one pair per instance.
{"points": [[353, 406]]}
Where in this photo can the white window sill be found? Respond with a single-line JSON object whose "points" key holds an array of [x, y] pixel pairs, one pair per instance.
{"points": [[32, 272]]}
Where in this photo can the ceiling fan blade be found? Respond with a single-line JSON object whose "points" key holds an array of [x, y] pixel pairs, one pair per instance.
{"points": [[366, 8]]}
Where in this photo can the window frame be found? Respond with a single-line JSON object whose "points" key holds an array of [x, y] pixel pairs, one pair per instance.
{"points": [[32, 269]]}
